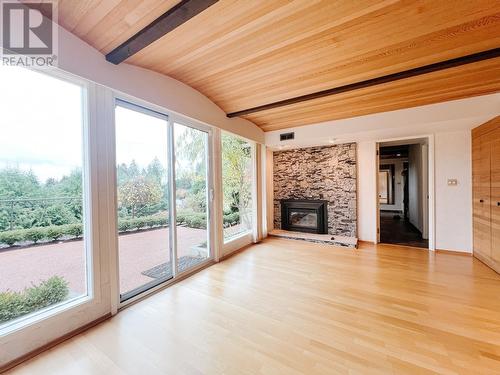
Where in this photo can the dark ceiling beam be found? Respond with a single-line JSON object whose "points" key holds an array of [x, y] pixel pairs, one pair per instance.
{"points": [[489, 54], [167, 22]]}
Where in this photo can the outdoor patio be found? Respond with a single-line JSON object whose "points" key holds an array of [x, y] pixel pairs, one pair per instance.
{"points": [[139, 252]]}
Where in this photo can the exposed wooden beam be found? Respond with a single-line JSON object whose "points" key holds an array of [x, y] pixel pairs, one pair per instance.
{"points": [[167, 22], [468, 59]]}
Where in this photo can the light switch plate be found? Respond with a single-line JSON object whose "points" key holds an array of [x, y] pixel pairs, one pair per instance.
{"points": [[452, 182]]}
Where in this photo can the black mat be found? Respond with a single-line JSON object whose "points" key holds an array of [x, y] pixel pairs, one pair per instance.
{"points": [[164, 270]]}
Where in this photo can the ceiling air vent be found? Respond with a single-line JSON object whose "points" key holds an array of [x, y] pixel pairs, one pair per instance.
{"points": [[287, 136]]}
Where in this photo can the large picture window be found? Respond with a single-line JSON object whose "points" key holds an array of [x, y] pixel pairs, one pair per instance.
{"points": [[43, 256], [237, 186]]}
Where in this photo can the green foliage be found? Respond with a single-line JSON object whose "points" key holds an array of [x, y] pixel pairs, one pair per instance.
{"points": [[38, 234], [11, 237], [60, 215], [55, 232], [143, 222], [232, 218], [27, 203], [15, 183], [236, 173], [74, 230], [47, 293], [35, 234]]}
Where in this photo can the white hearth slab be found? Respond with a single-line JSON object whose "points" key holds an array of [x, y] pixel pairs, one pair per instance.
{"points": [[320, 238]]}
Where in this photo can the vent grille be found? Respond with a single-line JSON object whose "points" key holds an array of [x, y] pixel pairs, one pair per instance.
{"points": [[287, 136]]}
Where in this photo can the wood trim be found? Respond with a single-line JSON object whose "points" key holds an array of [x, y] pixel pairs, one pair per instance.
{"points": [[487, 127], [442, 65], [454, 252], [50, 345], [491, 263], [167, 22]]}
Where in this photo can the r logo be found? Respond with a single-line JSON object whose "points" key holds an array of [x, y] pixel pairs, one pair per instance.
{"points": [[27, 28]]}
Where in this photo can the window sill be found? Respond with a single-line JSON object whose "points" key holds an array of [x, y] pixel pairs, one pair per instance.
{"points": [[237, 237], [41, 315]]}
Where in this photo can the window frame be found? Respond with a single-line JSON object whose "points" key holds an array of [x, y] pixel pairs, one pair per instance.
{"points": [[91, 229], [249, 236]]}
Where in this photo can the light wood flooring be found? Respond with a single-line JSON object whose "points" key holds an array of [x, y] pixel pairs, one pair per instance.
{"points": [[292, 307]]}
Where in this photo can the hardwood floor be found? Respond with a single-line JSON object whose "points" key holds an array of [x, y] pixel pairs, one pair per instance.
{"points": [[292, 307]]}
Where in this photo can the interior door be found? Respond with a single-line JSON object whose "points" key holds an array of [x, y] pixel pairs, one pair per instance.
{"points": [[495, 195], [481, 195]]}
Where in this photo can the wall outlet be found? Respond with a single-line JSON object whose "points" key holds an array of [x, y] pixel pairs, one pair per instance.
{"points": [[452, 182]]}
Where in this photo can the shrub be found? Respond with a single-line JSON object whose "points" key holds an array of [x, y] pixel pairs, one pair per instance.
{"points": [[11, 237], [123, 225], [232, 218], [55, 232], [141, 223], [192, 219], [47, 293], [35, 234], [161, 221], [196, 221], [75, 230]]}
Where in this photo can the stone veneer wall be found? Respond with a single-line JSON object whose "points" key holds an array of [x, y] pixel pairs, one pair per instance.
{"points": [[328, 173]]}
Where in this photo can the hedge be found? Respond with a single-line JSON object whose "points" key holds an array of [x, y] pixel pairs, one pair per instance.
{"points": [[41, 233], [56, 232], [47, 293]]}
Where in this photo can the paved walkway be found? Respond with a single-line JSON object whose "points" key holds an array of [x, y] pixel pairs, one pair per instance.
{"points": [[19, 268]]}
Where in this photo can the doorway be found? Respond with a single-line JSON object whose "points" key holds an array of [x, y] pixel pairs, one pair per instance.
{"points": [[163, 170], [403, 193]]}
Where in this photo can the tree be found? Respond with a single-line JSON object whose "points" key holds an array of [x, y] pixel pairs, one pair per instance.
{"points": [[15, 183], [155, 171], [191, 146], [139, 193], [236, 173]]}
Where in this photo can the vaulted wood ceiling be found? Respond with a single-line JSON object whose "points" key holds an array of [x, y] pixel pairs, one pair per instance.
{"points": [[246, 53]]}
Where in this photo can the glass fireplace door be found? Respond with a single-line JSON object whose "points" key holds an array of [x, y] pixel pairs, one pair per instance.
{"points": [[303, 219]]}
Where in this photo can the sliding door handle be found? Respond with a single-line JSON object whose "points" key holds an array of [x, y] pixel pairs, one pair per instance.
{"points": [[498, 203], [481, 201]]}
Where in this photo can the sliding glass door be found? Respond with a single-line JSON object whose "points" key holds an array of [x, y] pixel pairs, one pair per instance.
{"points": [[154, 157], [142, 170], [191, 196]]}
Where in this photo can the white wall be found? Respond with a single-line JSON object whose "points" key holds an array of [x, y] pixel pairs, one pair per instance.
{"points": [[449, 123], [367, 191], [79, 58], [453, 203]]}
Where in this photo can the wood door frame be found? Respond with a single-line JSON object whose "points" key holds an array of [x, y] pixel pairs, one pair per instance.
{"points": [[431, 206]]}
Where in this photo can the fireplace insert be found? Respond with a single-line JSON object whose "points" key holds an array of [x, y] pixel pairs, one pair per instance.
{"points": [[304, 215]]}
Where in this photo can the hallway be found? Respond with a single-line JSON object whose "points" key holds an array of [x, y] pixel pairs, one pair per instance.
{"points": [[399, 231]]}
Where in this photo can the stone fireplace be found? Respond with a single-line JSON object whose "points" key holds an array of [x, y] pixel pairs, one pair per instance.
{"points": [[317, 174]]}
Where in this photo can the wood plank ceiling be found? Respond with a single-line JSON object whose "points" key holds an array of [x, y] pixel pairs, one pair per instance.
{"points": [[246, 53]]}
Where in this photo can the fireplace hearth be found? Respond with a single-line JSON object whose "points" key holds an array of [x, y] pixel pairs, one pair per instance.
{"points": [[304, 215]]}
